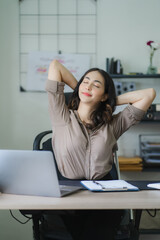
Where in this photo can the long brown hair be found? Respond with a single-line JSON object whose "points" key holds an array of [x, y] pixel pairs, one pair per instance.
{"points": [[104, 111]]}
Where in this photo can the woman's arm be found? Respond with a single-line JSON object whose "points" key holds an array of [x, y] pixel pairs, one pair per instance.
{"points": [[57, 72], [141, 99]]}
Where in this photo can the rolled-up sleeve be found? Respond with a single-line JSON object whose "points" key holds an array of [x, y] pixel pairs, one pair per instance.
{"points": [[58, 110], [125, 119]]}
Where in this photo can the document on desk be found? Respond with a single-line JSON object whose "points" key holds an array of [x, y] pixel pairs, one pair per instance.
{"points": [[108, 185], [154, 185]]}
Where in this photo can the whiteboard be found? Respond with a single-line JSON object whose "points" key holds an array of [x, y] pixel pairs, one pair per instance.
{"points": [[38, 65]]}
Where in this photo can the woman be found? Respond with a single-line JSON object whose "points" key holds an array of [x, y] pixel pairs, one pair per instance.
{"points": [[85, 134]]}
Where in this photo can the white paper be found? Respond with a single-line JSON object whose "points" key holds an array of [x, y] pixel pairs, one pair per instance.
{"points": [[115, 185], [38, 64], [154, 185]]}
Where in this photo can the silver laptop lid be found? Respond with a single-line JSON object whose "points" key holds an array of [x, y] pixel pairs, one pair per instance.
{"points": [[29, 173]]}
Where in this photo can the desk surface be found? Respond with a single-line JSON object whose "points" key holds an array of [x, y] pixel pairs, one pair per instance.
{"points": [[84, 199]]}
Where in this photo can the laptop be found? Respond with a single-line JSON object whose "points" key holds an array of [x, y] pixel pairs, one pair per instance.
{"points": [[27, 172]]}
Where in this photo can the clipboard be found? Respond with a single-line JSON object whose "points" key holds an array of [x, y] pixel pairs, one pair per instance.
{"points": [[109, 186]]}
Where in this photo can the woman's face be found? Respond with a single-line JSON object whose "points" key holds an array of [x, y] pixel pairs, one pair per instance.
{"points": [[91, 90]]}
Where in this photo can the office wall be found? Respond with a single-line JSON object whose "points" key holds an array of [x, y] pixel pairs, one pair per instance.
{"points": [[23, 115], [123, 29]]}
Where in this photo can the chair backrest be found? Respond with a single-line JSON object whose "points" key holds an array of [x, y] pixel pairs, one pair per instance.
{"points": [[115, 171], [41, 145]]}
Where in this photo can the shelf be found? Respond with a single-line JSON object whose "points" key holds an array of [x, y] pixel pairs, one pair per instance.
{"points": [[135, 76], [151, 169], [149, 121]]}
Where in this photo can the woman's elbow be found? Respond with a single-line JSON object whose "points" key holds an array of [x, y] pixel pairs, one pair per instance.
{"points": [[54, 63], [151, 94], [54, 71]]}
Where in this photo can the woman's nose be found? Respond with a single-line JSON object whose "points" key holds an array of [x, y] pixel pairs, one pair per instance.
{"points": [[88, 86]]}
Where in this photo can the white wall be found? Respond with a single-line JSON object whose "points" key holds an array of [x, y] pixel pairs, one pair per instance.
{"points": [[13, 108], [124, 26], [22, 115], [123, 29]]}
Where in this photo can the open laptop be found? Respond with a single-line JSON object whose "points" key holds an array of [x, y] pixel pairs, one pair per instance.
{"points": [[27, 172]]}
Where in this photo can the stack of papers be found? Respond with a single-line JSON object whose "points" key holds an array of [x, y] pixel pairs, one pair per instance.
{"points": [[109, 185], [154, 185], [130, 163]]}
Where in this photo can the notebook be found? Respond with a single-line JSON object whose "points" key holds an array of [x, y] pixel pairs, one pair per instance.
{"points": [[27, 172], [109, 186]]}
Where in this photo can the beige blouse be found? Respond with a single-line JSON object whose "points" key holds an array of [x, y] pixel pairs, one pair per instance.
{"points": [[80, 153]]}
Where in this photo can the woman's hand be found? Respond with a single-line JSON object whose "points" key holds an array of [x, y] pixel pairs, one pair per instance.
{"points": [[141, 99], [57, 72]]}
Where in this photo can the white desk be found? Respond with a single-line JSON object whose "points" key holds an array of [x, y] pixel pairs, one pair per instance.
{"points": [[149, 199]]}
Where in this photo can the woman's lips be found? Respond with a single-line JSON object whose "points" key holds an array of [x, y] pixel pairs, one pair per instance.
{"points": [[87, 94]]}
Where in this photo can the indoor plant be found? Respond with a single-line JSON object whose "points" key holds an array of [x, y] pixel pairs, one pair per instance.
{"points": [[153, 47]]}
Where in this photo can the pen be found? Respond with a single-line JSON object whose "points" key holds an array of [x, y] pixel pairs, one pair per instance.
{"points": [[103, 188]]}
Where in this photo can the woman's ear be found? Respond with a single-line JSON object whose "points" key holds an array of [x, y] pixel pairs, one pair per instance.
{"points": [[104, 98]]}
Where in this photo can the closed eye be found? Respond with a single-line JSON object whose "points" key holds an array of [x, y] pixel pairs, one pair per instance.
{"points": [[85, 81], [96, 86]]}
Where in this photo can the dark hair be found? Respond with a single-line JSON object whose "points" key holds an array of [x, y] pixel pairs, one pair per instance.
{"points": [[103, 113]]}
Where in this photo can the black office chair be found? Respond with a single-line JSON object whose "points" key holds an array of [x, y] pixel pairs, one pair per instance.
{"points": [[43, 142]]}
